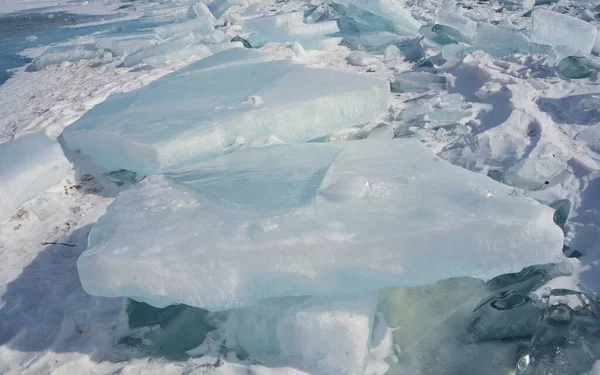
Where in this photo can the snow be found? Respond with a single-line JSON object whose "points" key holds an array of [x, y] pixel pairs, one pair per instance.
{"points": [[135, 131], [28, 166], [299, 209]]}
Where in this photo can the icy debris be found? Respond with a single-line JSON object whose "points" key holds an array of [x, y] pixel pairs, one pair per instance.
{"points": [[383, 15], [129, 45], [169, 46], [567, 338], [71, 53], [202, 25], [534, 173], [286, 27], [28, 166], [202, 109], [329, 336], [499, 42], [219, 7], [576, 37], [260, 229], [517, 4], [444, 110], [359, 58], [418, 82]]}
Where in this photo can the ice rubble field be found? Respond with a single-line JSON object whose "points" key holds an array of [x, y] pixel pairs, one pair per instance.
{"points": [[304, 187]]}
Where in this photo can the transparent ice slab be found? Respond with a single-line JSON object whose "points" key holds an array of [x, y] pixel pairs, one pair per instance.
{"points": [[311, 219], [199, 111]]}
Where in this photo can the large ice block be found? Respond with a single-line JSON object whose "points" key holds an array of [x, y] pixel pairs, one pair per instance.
{"points": [[71, 53], [499, 42], [286, 27], [569, 36], [201, 110], [28, 166], [311, 219], [383, 15]]}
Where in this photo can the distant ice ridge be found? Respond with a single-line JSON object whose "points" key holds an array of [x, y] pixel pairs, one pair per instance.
{"points": [[59, 54], [199, 111], [311, 219], [28, 166]]}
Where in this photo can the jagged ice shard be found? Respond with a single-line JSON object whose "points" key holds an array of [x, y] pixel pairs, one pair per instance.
{"points": [[311, 219], [28, 166], [195, 113]]}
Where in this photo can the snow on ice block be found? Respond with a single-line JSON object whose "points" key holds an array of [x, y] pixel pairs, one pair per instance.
{"points": [[197, 112], [28, 166], [311, 219], [576, 37], [72, 53], [328, 335], [286, 27]]}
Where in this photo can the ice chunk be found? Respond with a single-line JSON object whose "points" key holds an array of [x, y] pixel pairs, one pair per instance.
{"points": [[534, 173], [59, 54], [577, 67], [359, 58], [464, 25], [198, 50], [311, 219], [418, 82], [498, 41], [199, 10], [590, 137], [28, 166], [202, 25], [384, 15], [218, 7], [567, 338], [416, 311], [577, 37], [517, 4], [329, 335], [175, 11], [167, 47], [453, 51], [197, 112], [286, 27], [131, 45]]}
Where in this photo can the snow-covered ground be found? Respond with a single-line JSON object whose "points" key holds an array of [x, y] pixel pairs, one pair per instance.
{"points": [[522, 123]]}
